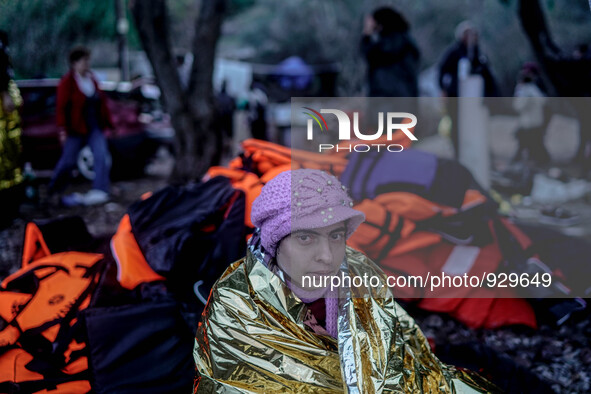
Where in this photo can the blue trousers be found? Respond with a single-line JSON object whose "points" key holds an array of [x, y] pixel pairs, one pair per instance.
{"points": [[68, 161]]}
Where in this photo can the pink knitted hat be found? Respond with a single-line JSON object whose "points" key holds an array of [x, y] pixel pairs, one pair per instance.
{"points": [[302, 199]]}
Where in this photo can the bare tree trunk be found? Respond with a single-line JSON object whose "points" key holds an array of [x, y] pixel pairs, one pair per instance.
{"points": [[200, 90], [561, 69], [569, 76], [122, 28], [191, 111]]}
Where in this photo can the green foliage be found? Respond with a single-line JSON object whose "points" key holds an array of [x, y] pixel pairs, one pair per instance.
{"points": [[549, 3], [237, 6], [319, 32], [304, 28], [41, 32]]}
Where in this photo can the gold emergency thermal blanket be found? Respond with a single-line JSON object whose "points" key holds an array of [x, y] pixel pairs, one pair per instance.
{"points": [[10, 141], [252, 338]]}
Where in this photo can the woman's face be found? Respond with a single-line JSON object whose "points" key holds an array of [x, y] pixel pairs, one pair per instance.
{"points": [[315, 252], [82, 65]]}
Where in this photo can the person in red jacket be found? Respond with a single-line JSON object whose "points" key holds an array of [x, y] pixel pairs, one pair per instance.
{"points": [[82, 116]]}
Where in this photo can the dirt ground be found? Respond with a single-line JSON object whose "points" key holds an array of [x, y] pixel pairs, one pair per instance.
{"points": [[101, 220]]}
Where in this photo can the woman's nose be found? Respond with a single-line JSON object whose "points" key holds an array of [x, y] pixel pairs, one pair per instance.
{"points": [[324, 252]]}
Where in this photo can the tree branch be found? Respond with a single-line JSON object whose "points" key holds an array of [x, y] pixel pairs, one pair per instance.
{"points": [[553, 61]]}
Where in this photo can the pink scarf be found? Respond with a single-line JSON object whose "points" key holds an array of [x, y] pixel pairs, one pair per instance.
{"points": [[331, 301]]}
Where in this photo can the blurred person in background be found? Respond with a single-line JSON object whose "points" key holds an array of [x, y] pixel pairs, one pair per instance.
{"points": [[463, 58], [391, 54], [530, 102], [257, 111], [82, 116], [11, 174], [225, 106]]}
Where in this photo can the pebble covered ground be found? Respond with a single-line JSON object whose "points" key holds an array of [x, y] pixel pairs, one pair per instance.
{"points": [[558, 356]]}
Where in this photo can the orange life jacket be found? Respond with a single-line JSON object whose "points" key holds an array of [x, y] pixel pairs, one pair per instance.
{"points": [[400, 235], [133, 268], [41, 342], [266, 155]]}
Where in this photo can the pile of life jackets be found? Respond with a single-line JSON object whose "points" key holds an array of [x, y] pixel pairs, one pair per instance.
{"points": [[426, 216], [42, 338], [69, 325]]}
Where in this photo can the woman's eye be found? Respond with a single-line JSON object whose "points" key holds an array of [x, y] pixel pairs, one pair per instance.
{"points": [[304, 238], [338, 236]]}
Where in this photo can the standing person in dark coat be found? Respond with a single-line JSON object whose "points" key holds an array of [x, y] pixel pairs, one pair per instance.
{"points": [[465, 47], [461, 59], [257, 117], [225, 105], [82, 116], [391, 53]]}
